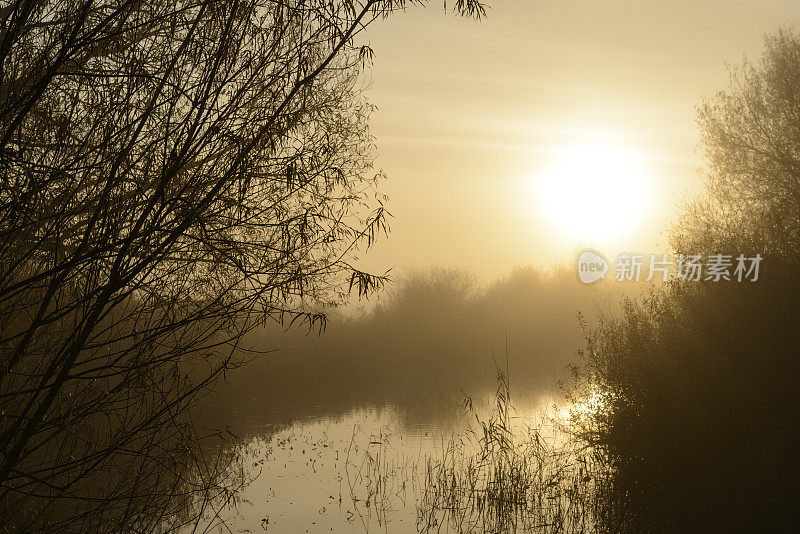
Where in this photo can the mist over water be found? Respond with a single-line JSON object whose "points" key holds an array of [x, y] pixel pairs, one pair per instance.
{"points": [[432, 341], [222, 300], [392, 388]]}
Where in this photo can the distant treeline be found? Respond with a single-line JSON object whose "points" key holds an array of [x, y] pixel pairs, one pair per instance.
{"points": [[432, 336]]}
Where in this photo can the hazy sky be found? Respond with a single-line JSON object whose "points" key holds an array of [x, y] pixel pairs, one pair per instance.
{"points": [[473, 118]]}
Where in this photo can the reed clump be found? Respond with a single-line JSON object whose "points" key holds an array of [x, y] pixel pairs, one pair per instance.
{"points": [[512, 475]]}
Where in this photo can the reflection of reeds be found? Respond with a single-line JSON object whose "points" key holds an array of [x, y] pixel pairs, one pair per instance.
{"points": [[378, 482], [500, 479], [503, 475]]}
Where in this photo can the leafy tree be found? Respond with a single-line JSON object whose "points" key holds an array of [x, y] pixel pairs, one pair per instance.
{"points": [[173, 172], [699, 381], [751, 141]]}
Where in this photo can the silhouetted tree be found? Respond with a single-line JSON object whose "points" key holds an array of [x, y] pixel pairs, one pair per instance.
{"points": [[173, 173], [751, 142], [699, 381]]}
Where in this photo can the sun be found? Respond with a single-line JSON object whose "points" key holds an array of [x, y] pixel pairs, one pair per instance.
{"points": [[594, 192]]}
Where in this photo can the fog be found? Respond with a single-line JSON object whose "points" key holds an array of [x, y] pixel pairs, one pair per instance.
{"points": [[436, 335], [352, 266]]}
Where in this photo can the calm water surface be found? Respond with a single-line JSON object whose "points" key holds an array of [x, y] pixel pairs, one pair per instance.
{"points": [[359, 471]]}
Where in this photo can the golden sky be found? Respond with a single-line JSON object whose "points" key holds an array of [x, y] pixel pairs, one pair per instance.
{"points": [[473, 117]]}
